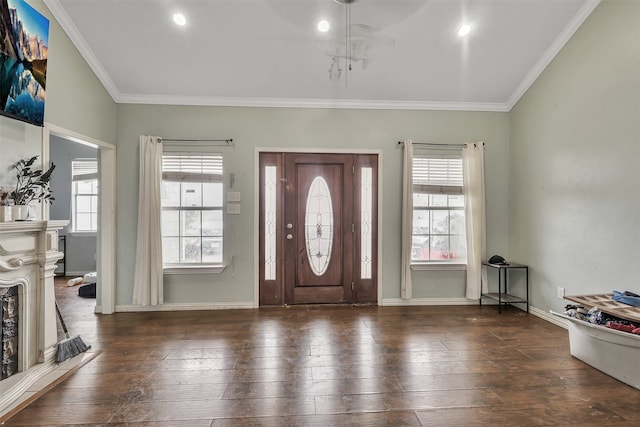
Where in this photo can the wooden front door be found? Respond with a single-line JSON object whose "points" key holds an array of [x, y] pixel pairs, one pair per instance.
{"points": [[318, 248], [318, 237]]}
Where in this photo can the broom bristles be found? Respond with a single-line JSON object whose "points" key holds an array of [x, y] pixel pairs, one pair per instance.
{"points": [[70, 347]]}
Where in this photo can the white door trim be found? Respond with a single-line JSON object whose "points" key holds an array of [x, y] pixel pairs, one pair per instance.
{"points": [[106, 261]]}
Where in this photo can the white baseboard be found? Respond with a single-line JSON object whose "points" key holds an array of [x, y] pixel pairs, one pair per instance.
{"points": [[463, 301], [427, 301], [186, 306], [389, 302], [549, 317], [75, 273]]}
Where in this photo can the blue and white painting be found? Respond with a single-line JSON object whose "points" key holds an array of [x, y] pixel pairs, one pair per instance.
{"points": [[24, 48]]}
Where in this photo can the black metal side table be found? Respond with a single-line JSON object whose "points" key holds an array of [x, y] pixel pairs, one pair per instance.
{"points": [[502, 296]]}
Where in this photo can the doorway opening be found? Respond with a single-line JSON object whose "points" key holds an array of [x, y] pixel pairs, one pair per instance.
{"points": [[75, 186], [85, 195]]}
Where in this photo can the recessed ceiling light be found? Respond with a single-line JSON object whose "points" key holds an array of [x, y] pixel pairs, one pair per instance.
{"points": [[179, 19], [323, 26], [464, 30]]}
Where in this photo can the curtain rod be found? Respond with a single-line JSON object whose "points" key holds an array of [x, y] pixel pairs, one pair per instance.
{"points": [[226, 141], [436, 145], [443, 145]]}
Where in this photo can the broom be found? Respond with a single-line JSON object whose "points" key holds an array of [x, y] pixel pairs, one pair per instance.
{"points": [[68, 347]]}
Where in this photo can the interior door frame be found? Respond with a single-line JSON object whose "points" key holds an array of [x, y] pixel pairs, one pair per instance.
{"points": [[106, 235], [256, 207]]}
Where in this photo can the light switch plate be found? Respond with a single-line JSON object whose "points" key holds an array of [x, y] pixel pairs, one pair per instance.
{"points": [[233, 196], [233, 208]]}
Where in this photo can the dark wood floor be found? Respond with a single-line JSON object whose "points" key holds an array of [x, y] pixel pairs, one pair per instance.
{"points": [[328, 366]]}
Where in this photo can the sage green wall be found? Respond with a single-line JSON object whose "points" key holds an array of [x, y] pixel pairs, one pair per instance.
{"points": [[302, 129], [575, 163], [76, 100], [561, 168]]}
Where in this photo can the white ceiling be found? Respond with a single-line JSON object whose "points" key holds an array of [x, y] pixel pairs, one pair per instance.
{"points": [[269, 52]]}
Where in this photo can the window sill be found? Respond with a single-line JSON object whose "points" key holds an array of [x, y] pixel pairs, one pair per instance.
{"points": [[82, 233], [438, 266], [195, 269]]}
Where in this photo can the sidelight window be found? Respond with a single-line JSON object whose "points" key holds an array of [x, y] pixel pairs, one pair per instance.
{"points": [[366, 223], [270, 221]]}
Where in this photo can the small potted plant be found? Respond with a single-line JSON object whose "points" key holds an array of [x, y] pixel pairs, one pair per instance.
{"points": [[5, 206], [32, 185]]}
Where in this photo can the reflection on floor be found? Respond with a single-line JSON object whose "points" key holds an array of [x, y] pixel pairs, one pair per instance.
{"points": [[328, 365]]}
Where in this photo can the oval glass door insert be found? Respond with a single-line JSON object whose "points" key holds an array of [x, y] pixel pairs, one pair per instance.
{"points": [[318, 226]]}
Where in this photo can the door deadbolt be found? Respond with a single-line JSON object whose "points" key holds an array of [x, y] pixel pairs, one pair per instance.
{"points": [[289, 226]]}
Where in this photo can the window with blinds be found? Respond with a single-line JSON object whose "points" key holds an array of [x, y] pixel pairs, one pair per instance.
{"points": [[192, 204], [84, 195], [438, 210]]}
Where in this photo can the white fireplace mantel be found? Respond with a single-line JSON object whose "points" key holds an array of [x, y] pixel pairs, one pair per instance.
{"points": [[23, 226], [28, 255]]}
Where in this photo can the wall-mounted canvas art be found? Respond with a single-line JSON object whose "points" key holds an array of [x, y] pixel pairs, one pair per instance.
{"points": [[24, 48]]}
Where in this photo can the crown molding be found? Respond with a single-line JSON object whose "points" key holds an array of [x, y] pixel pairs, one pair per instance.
{"points": [[80, 43], [76, 38], [83, 47], [311, 103], [551, 53]]}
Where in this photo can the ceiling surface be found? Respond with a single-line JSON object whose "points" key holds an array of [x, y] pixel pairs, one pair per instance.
{"points": [[403, 53]]}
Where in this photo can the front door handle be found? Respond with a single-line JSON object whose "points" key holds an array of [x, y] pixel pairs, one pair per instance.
{"points": [[289, 236]]}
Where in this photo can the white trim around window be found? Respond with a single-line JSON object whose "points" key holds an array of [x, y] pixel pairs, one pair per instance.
{"points": [[193, 269], [192, 213], [438, 227], [84, 195], [426, 266]]}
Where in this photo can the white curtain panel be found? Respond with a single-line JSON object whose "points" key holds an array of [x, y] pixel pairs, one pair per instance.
{"points": [[407, 220], [147, 285], [475, 216]]}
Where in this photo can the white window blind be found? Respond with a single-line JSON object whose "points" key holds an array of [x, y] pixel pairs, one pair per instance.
{"points": [[192, 168], [437, 175], [84, 169]]}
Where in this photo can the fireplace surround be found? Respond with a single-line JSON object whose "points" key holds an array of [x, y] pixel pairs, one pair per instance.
{"points": [[28, 255]]}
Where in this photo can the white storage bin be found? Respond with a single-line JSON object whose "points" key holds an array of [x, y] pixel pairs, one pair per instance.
{"points": [[613, 352]]}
